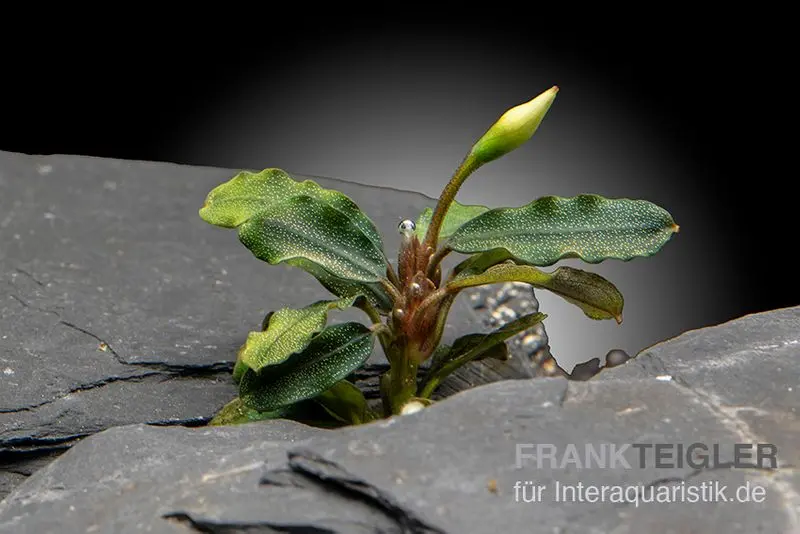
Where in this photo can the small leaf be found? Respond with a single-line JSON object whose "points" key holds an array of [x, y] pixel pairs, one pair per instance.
{"points": [[588, 227], [475, 347], [236, 413], [446, 353], [345, 402], [288, 331], [457, 215], [306, 412], [332, 354], [280, 219]]}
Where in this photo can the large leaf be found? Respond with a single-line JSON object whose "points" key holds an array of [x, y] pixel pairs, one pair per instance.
{"points": [[588, 227], [287, 331], [474, 347], [280, 219], [332, 354], [457, 215], [596, 296]]}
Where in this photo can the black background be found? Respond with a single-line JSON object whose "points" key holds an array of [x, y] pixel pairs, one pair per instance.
{"points": [[715, 89]]}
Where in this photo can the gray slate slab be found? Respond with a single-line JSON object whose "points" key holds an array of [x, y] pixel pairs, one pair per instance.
{"points": [[119, 305], [453, 467]]}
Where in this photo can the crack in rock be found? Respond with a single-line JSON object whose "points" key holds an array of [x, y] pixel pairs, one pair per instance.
{"points": [[310, 471], [207, 526], [13, 449], [29, 275], [175, 369], [25, 304], [83, 387], [336, 479]]}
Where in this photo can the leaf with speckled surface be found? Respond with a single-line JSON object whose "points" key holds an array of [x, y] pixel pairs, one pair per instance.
{"points": [[551, 228], [457, 215], [280, 219], [597, 297], [331, 356], [288, 331]]}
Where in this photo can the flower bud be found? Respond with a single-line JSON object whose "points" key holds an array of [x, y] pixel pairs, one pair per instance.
{"points": [[513, 128]]}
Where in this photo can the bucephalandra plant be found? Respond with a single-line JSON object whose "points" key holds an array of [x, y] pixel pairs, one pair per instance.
{"points": [[297, 365]]}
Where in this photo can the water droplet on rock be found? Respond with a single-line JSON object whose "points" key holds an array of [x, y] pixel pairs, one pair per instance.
{"points": [[616, 357]]}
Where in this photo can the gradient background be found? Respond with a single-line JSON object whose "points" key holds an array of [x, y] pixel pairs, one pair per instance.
{"points": [[685, 113]]}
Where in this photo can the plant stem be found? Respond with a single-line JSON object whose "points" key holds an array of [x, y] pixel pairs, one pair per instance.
{"points": [[431, 299], [430, 386], [400, 383], [393, 276], [390, 288], [371, 312], [436, 259], [467, 167]]}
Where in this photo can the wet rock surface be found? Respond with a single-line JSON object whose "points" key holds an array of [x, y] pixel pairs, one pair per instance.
{"points": [[468, 463], [119, 305]]}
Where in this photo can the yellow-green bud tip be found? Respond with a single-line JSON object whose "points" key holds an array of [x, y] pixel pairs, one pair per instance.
{"points": [[513, 128]]}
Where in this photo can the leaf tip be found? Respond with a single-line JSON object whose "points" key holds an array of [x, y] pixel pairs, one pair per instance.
{"points": [[618, 318], [676, 228]]}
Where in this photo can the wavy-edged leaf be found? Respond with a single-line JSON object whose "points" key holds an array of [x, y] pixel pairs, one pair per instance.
{"points": [[345, 402], [287, 331], [474, 347], [280, 219], [551, 228], [457, 215], [597, 297], [332, 354]]}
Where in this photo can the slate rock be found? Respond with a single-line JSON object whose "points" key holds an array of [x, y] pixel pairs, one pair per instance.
{"points": [[748, 370], [455, 467], [119, 305]]}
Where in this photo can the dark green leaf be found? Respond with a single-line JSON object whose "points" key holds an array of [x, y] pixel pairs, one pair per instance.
{"points": [[588, 227], [330, 356], [457, 215], [596, 296], [307, 412], [280, 220], [345, 402], [446, 353], [474, 347]]}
